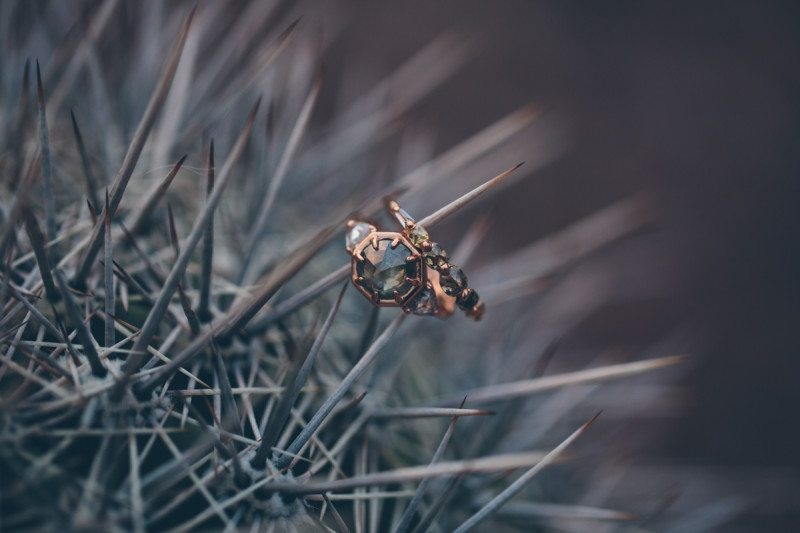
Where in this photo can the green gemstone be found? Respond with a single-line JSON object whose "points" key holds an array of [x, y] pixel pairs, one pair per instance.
{"points": [[417, 235], [436, 257], [385, 270]]}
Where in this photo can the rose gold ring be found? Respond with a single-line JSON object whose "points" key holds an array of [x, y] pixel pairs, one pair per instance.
{"points": [[406, 269]]}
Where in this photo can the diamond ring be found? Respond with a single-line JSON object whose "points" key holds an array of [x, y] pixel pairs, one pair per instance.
{"points": [[406, 269]]}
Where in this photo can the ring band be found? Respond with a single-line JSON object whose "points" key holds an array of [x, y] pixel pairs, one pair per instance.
{"points": [[408, 270]]}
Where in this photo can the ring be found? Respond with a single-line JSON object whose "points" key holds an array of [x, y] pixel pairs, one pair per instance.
{"points": [[406, 269]]}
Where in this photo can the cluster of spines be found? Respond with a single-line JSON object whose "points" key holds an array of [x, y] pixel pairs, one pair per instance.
{"points": [[133, 400]]}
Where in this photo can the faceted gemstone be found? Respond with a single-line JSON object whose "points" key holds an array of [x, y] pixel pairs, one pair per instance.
{"points": [[476, 313], [424, 303], [356, 234], [467, 299], [385, 270], [417, 235], [436, 257], [454, 282]]}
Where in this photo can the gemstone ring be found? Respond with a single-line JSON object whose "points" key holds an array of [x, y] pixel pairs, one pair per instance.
{"points": [[406, 269]]}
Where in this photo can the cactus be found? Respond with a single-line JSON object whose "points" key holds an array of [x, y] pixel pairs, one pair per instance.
{"points": [[180, 348]]}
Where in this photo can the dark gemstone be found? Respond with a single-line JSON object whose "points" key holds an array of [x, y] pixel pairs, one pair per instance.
{"points": [[436, 256], [467, 299], [476, 313], [417, 235], [454, 282], [385, 270]]}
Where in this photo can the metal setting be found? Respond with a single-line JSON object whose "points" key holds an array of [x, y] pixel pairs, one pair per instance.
{"points": [[446, 305], [406, 269], [405, 275]]}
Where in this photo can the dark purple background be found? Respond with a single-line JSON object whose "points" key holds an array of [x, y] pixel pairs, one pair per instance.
{"points": [[698, 103]]}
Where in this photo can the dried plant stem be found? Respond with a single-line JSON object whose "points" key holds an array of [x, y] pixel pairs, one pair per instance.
{"points": [[91, 181], [207, 264], [504, 391], [296, 381], [240, 314], [108, 284], [140, 216], [426, 412], [47, 163], [277, 179], [461, 202], [135, 149], [84, 335], [520, 482], [411, 509], [282, 460], [489, 464], [171, 283], [38, 244]]}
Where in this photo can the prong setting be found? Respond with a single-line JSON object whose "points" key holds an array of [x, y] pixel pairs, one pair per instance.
{"points": [[387, 269], [406, 269]]}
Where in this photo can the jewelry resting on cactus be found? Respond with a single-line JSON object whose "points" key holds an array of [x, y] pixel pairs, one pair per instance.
{"points": [[144, 390], [407, 269]]}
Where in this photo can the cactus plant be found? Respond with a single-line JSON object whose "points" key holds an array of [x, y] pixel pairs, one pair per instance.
{"points": [[179, 345]]}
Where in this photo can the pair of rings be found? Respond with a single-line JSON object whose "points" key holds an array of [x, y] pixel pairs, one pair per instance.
{"points": [[406, 269]]}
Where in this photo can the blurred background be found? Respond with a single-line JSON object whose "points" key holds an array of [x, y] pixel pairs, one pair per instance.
{"points": [[697, 104], [688, 112]]}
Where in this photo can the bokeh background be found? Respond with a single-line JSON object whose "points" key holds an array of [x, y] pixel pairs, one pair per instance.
{"points": [[692, 107], [697, 103]]}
